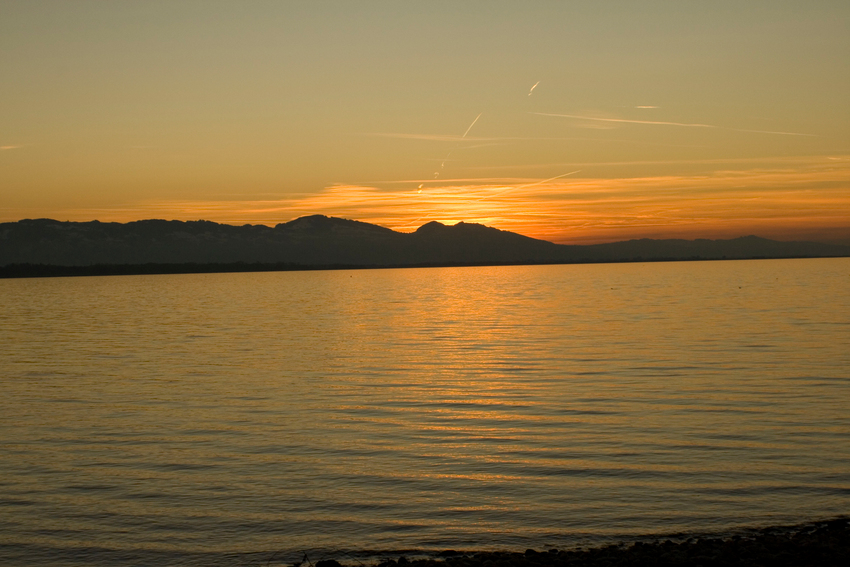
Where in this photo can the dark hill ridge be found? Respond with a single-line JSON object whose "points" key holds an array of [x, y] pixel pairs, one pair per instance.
{"points": [[320, 241]]}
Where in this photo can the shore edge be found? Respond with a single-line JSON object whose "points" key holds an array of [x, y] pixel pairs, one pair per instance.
{"points": [[817, 544]]}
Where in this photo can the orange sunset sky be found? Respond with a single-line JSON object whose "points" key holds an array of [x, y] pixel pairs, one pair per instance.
{"points": [[569, 121]]}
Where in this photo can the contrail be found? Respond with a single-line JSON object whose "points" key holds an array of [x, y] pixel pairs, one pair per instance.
{"points": [[529, 185], [445, 159], [769, 132], [548, 180], [471, 125], [627, 121], [684, 124], [533, 87]]}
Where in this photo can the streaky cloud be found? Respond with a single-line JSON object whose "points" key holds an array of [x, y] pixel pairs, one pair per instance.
{"points": [[534, 184], [663, 123], [453, 138], [461, 180], [431, 137], [814, 160], [769, 132], [624, 120]]}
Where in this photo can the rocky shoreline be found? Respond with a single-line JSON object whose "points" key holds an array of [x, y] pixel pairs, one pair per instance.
{"points": [[817, 544]]}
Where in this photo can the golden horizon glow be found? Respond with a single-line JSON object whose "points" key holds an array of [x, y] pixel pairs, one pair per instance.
{"points": [[796, 198]]}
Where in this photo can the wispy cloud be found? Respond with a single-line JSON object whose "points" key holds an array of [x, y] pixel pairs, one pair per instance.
{"points": [[459, 141], [3, 148], [801, 195], [623, 120], [508, 139], [532, 184], [436, 182], [769, 132], [663, 123], [787, 160], [431, 137]]}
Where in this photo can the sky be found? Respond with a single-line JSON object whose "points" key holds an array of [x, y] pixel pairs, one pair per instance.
{"points": [[574, 122]]}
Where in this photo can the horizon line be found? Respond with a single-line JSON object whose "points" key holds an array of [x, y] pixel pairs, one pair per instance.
{"points": [[587, 241]]}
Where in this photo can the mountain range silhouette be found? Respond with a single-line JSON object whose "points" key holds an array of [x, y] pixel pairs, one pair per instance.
{"points": [[31, 246]]}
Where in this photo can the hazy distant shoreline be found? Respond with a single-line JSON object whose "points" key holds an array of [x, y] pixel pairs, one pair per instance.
{"points": [[52, 270]]}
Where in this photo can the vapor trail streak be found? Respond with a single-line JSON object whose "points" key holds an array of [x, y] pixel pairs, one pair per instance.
{"points": [[769, 132], [533, 87], [684, 124], [471, 125], [445, 159], [529, 185], [624, 120]]}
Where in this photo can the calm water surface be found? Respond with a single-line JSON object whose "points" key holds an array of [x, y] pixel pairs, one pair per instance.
{"points": [[215, 419]]}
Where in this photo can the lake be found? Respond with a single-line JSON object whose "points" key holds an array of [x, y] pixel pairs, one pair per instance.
{"points": [[219, 419]]}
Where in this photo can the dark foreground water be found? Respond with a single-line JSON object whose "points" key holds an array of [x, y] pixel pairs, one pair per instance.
{"points": [[216, 419]]}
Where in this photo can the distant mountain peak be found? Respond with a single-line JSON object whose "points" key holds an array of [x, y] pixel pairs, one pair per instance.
{"points": [[321, 224], [459, 226], [430, 227], [310, 221]]}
